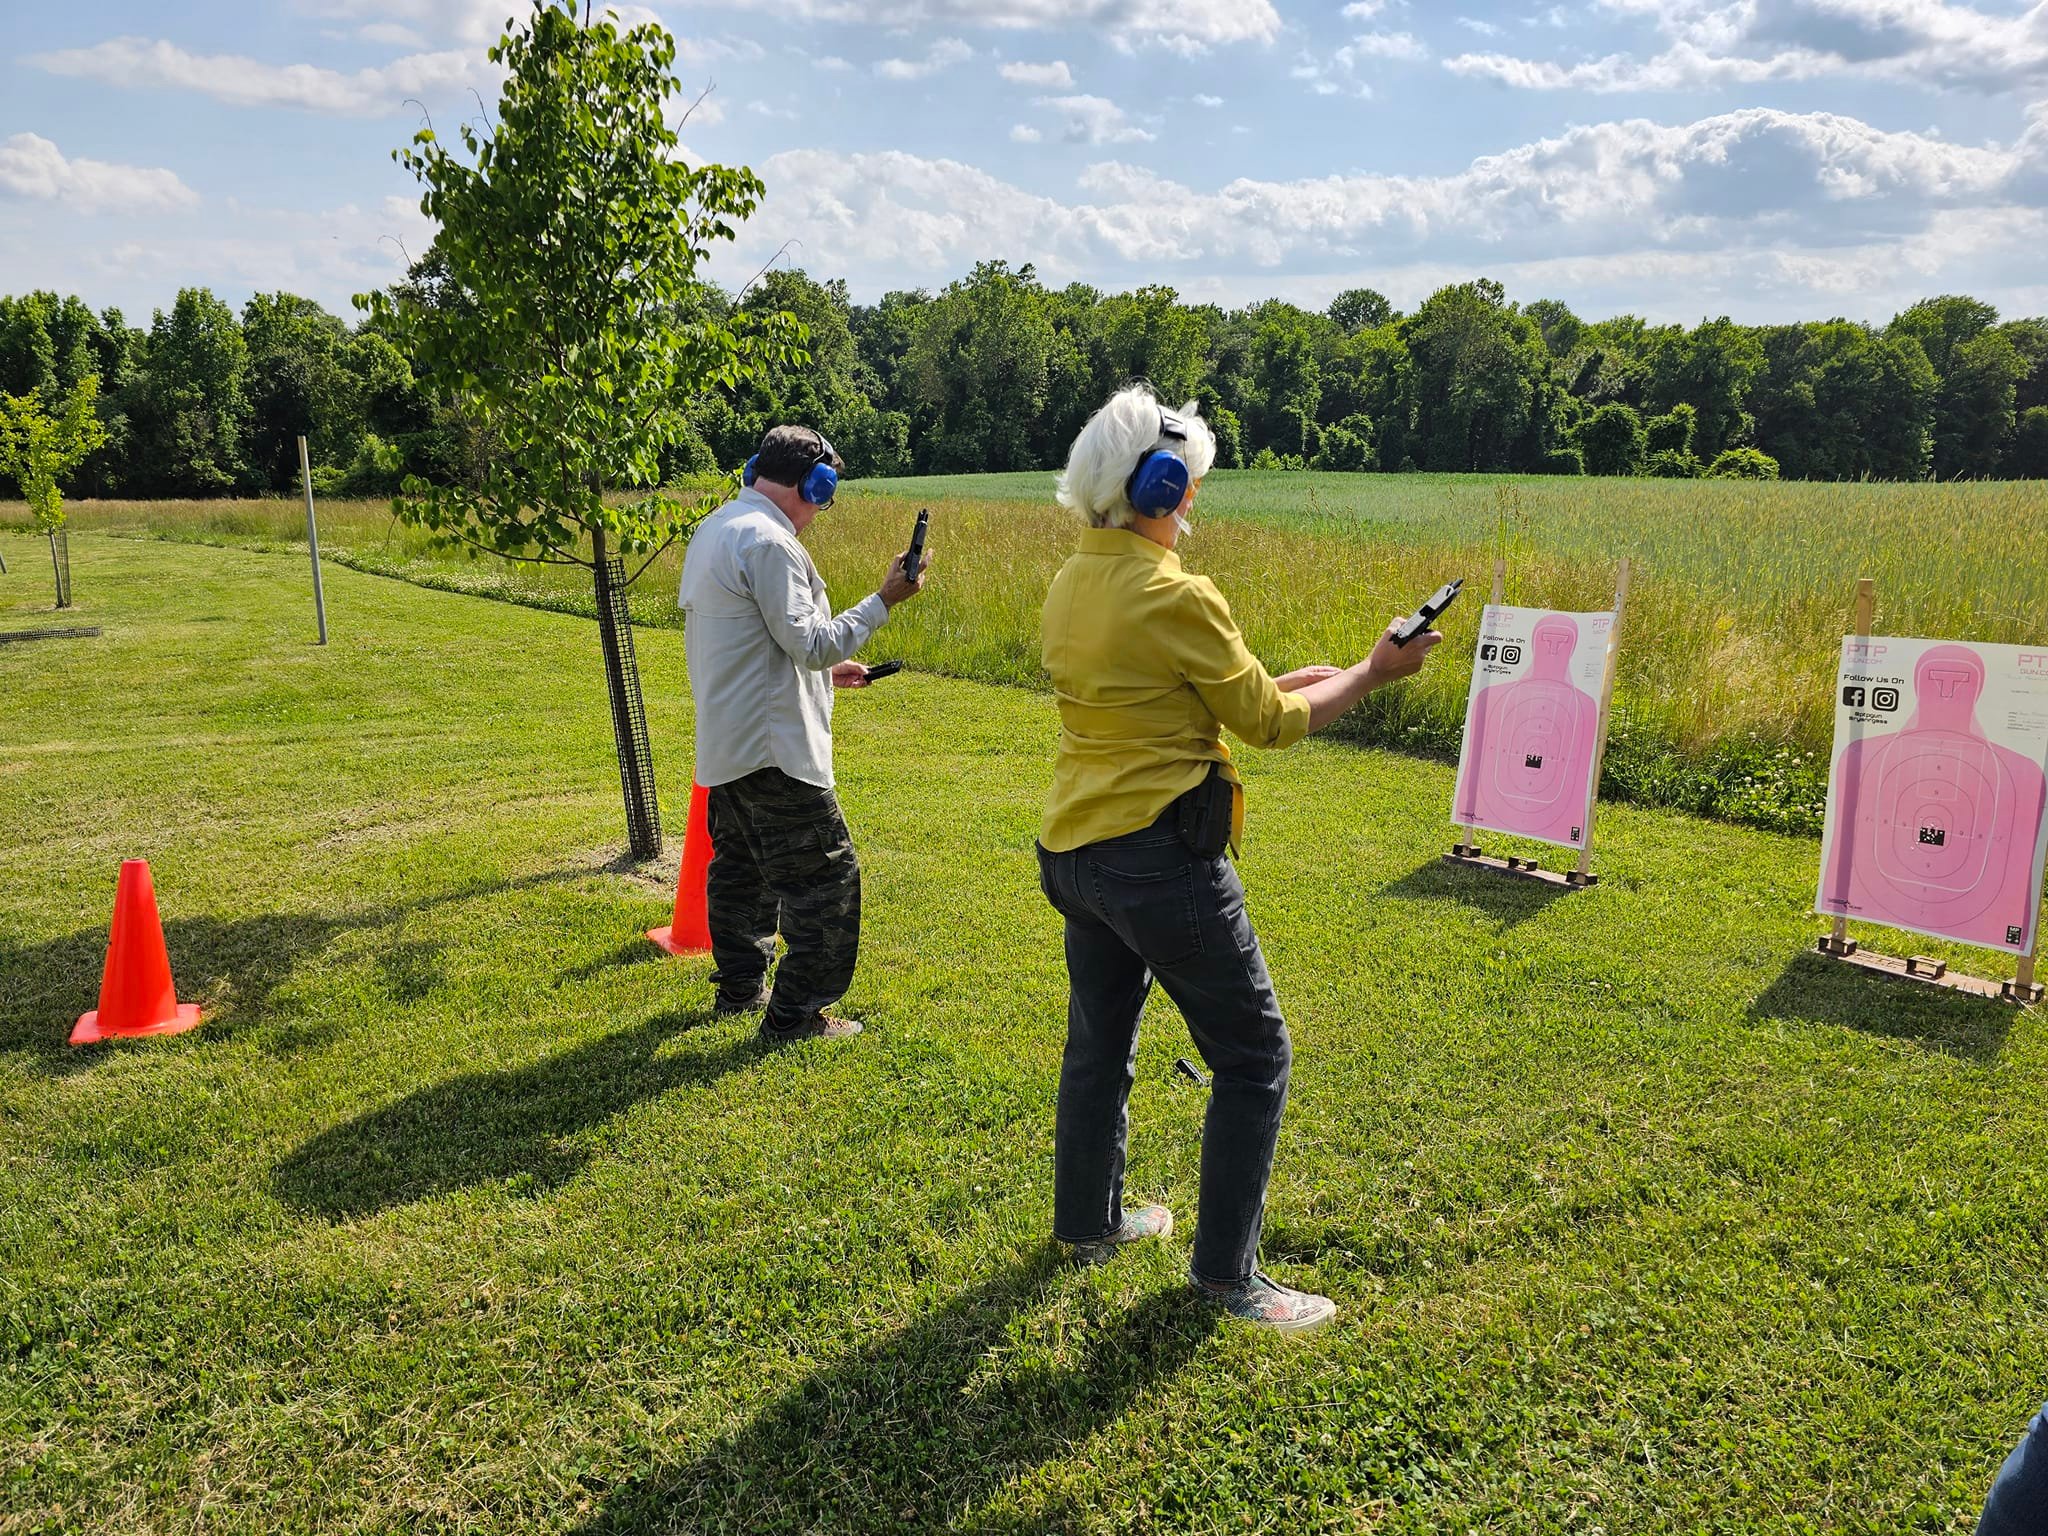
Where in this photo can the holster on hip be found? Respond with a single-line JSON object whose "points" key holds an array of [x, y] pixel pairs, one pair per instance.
{"points": [[1204, 815]]}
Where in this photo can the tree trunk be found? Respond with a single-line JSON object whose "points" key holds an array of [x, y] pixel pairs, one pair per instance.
{"points": [[629, 715], [60, 565]]}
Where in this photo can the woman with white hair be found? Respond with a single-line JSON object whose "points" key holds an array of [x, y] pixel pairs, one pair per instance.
{"points": [[1149, 669]]}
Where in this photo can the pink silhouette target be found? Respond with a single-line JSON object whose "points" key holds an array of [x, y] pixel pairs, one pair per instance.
{"points": [[1532, 725], [1934, 826]]}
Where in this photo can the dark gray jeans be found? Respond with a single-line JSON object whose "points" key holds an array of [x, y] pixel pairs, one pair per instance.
{"points": [[1140, 907], [2018, 1505]]}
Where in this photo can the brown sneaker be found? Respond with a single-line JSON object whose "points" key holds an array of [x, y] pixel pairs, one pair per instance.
{"points": [[732, 1007], [819, 1026]]}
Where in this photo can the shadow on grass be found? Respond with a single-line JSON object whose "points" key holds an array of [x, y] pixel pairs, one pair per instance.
{"points": [[1334, 1247], [487, 1127], [638, 950], [230, 965], [908, 1433], [1822, 991], [1505, 898]]}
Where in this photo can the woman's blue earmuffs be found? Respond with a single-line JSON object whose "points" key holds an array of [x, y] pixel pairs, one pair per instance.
{"points": [[817, 485], [1159, 484]]}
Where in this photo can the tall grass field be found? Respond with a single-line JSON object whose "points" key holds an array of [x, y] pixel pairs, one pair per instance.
{"points": [[1740, 592]]}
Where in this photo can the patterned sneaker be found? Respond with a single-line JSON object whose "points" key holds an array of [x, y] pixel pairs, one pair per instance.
{"points": [[819, 1026], [1267, 1303], [1146, 1221]]}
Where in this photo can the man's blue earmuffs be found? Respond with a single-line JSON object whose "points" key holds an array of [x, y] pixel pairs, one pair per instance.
{"points": [[1159, 484], [818, 484]]}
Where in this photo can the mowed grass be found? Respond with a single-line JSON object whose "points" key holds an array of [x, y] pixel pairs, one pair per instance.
{"points": [[461, 1213], [1740, 592]]}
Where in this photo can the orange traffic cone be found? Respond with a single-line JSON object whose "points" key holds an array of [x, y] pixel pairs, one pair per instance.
{"points": [[136, 993], [689, 930]]}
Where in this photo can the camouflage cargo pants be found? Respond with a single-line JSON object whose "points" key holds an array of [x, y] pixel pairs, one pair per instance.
{"points": [[782, 859]]}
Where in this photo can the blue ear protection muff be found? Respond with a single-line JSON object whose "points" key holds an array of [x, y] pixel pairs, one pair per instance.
{"points": [[821, 481], [1160, 482], [818, 484]]}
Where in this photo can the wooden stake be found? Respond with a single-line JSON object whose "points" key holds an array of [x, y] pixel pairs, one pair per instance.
{"points": [[1468, 838], [2024, 988], [1585, 869], [1865, 611]]}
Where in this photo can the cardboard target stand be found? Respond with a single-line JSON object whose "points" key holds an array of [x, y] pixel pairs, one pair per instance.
{"points": [[1536, 731], [1937, 815]]}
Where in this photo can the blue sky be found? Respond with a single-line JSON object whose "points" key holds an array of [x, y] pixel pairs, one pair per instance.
{"points": [[1768, 159]]}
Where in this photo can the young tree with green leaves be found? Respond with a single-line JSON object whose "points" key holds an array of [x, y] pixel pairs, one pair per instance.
{"points": [[194, 406], [39, 446], [1360, 309], [1612, 441], [562, 324], [1481, 380], [979, 368]]}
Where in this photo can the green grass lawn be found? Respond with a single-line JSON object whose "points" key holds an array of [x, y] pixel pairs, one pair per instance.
{"points": [[461, 1213]]}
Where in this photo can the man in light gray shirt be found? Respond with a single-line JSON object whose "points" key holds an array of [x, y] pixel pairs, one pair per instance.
{"points": [[765, 655]]}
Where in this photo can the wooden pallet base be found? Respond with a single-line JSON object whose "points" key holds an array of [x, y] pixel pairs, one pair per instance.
{"points": [[1931, 973], [1527, 869]]}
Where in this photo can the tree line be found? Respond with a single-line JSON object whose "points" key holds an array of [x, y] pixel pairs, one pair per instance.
{"points": [[998, 371]]}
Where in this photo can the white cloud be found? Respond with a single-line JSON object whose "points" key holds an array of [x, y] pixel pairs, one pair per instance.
{"points": [[1483, 28], [624, 17], [1967, 251], [1024, 133], [703, 110], [1047, 77], [833, 62], [1681, 68], [943, 54], [693, 49], [1185, 26], [468, 21], [1208, 101], [1342, 68], [1714, 43], [1095, 120], [327, 255], [1363, 10], [33, 167], [1382, 45], [1310, 71], [134, 62], [1755, 191], [391, 35]]}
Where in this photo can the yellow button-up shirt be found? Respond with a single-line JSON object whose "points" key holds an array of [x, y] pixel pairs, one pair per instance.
{"points": [[1148, 667]]}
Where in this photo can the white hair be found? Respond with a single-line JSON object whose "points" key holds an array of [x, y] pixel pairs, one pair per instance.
{"points": [[1100, 463]]}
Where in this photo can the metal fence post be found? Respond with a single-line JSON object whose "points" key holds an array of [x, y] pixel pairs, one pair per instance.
{"points": [[313, 540]]}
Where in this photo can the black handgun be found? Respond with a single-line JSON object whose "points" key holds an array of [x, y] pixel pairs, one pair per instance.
{"points": [[1427, 614], [915, 557]]}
